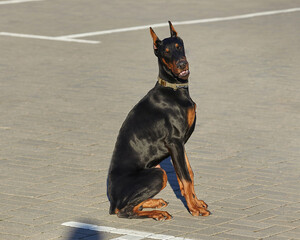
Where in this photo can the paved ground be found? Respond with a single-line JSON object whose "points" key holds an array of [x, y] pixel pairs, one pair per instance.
{"points": [[62, 103]]}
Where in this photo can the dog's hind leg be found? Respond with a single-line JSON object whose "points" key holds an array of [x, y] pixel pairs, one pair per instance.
{"points": [[144, 185], [153, 203]]}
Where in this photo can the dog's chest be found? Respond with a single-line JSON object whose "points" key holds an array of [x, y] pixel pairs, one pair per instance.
{"points": [[191, 115]]}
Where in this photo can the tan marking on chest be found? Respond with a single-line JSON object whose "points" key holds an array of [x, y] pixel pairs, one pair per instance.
{"points": [[191, 114]]}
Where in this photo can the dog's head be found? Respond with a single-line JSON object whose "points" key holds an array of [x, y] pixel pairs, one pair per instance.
{"points": [[171, 54]]}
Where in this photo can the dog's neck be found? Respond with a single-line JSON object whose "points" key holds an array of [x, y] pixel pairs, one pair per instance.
{"points": [[174, 86], [168, 80]]}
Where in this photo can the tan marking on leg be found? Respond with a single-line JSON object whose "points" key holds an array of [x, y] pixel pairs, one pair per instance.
{"points": [[190, 198], [165, 177], [155, 214], [200, 203], [153, 203], [180, 185], [195, 206]]}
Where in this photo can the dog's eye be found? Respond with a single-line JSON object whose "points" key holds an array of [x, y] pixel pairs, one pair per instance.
{"points": [[178, 47], [166, 52]]}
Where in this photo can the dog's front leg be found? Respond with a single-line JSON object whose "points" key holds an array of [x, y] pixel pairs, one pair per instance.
{"points": [[185, 177]]}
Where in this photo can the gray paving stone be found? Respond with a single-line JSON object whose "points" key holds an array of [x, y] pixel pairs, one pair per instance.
{"points": [[171, 226], [233, 213], [290, 234], [260, 216], [276, 238], [232, 236], [5, 236], [210, 231], [285, 222], [274, 230], [217, 220], [248, 223], [198, 236], [62, 104], [237, 226]]}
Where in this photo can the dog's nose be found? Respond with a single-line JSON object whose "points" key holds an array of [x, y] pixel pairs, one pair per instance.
{"points": [[182, 64]]}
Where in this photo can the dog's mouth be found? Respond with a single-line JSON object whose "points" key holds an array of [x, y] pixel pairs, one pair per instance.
{"points": [[184, 74]]}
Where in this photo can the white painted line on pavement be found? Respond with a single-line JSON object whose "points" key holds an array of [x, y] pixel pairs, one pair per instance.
{"points": [[207, 20], [72, 38], [18, 1], [127, 234], [47, 38]]}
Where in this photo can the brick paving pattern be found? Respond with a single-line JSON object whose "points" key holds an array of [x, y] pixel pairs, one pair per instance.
{"points": [[62, 104]]}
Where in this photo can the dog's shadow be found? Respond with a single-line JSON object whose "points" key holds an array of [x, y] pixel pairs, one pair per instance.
{"points": [[172, 179]]}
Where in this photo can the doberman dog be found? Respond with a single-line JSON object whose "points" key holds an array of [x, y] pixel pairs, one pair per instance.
{"points": [[156, 128]]}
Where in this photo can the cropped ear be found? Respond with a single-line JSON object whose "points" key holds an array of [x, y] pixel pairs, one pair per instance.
{"points": [[156, 41], [172, 30]]}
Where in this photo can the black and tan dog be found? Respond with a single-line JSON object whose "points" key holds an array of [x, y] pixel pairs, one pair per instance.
{"points": [[156, 128]]}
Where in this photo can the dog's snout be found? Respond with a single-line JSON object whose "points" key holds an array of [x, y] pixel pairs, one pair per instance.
{"points": [[182, 64]]}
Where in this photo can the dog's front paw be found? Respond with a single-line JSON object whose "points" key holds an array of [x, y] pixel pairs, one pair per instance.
{"points": [[201, 203], [198, 208], [200, 212]]}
